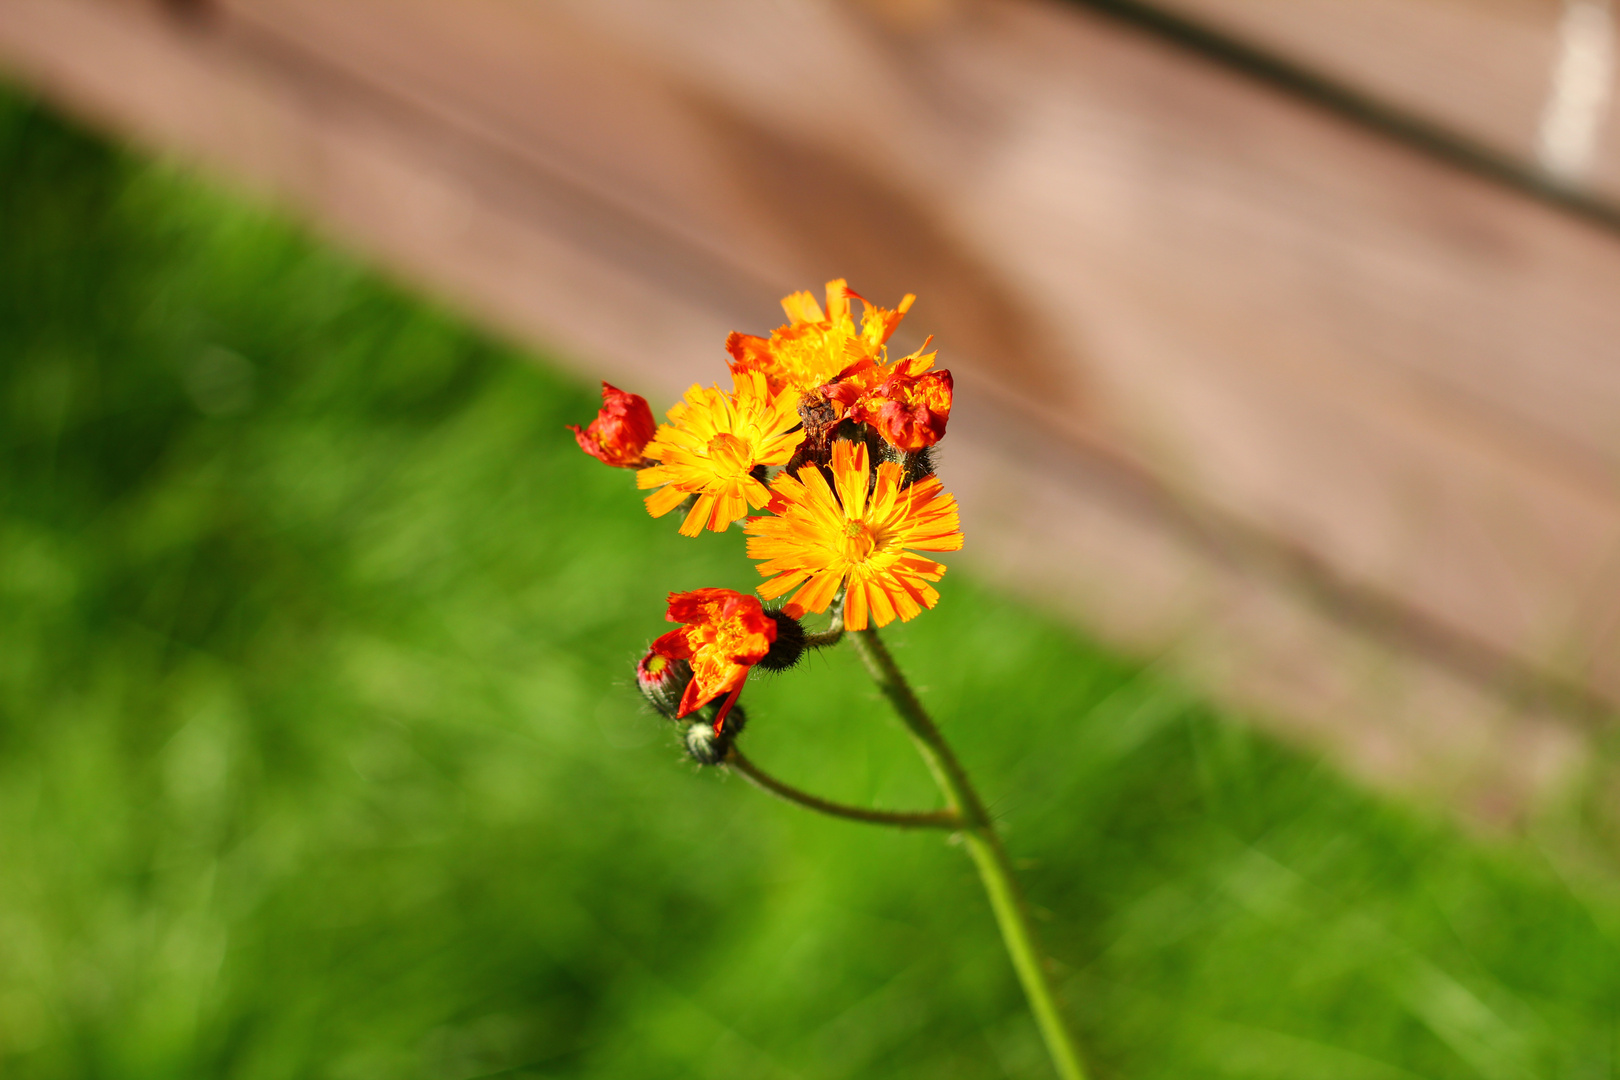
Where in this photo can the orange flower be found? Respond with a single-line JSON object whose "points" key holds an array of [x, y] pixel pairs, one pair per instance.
{"points": [[907, 404], [816, 345], [621, 429], [726, 633], [711, 447], [820, 540]]}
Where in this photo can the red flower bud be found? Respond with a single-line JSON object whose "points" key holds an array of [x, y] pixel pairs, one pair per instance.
{"points": [[622, 428], [662, 680]]}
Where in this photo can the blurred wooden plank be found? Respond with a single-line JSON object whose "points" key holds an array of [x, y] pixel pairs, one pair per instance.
{"points": [[1478, 66], [1330, 424], [1484, 69]]}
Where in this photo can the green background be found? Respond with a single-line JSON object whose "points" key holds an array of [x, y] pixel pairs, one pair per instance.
{"points": [[320, 754]]}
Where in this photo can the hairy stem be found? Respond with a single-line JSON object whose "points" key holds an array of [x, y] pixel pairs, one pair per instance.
{"points": [[926, 819], [830, 636], [984, 845]]}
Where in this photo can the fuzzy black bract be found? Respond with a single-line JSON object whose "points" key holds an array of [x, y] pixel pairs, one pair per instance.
{"points": [[789, 644]]}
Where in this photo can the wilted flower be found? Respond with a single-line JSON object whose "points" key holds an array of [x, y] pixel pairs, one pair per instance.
{"points": [[621, 430], [725, 633], [904, 402]]}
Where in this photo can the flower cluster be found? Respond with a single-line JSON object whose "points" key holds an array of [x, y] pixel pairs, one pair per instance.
{"points": [[833, 440], [829, 436]]}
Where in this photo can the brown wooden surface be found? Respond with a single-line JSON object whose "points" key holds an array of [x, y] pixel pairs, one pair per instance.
{"points": [[1480, 68], [1328, 424]]}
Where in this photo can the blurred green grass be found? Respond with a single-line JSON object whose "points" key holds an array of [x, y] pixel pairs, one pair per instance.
{"points": [[319, 755]]}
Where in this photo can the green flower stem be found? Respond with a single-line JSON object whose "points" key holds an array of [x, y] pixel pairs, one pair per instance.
{"points": [[984, 845], [830, 636], [927, 819]]}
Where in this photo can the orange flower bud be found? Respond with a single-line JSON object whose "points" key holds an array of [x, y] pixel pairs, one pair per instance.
{"points": [[621, 430]]}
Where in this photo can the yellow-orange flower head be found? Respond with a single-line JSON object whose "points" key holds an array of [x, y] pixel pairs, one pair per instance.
{"points": [[816, 345], [820, 540], [710, 448]]}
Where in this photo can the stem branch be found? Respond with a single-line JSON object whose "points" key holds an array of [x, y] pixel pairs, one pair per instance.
{"points": [[830, 636], [984, 845], [927, 819]]}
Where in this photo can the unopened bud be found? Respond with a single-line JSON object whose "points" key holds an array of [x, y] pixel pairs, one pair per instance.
{"points": [[702, 743], [662, 680], [789, 644]]}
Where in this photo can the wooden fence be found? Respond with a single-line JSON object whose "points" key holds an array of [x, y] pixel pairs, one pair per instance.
{"points": [[1287, 344]]}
